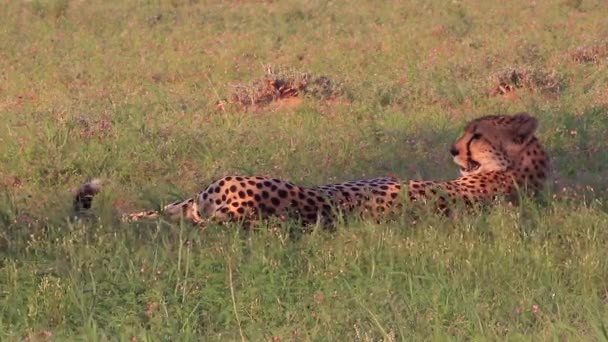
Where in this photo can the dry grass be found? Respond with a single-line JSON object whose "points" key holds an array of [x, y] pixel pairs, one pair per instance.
{"points": [[592, 54], [279, 83], [527, 78]]}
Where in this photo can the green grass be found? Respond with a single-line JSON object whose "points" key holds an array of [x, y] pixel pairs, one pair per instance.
{"points": [[128, 92]]}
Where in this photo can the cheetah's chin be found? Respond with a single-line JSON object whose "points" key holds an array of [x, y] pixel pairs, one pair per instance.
{"points": [[473, 166]]}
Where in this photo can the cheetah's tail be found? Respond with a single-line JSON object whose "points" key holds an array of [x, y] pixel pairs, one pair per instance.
{"points": [[187, 209], [83, 196]]}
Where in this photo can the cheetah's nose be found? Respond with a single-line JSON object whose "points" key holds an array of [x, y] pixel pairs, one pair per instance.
{"points": [[454, 151]]}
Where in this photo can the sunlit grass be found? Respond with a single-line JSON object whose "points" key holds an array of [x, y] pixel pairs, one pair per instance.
{"points": [[129, 92]]}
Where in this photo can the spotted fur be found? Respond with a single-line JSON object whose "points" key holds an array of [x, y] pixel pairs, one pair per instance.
{"points": [[498, 156], [235, 198]]}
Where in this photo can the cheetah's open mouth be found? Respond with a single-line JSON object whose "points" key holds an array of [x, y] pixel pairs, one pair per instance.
{"points": [[473, 166]]}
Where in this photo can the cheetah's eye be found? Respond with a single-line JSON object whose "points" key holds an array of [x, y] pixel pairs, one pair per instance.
{"points": [[476, 136]]}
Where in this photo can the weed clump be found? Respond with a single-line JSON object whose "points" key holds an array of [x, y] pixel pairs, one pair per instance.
{"points": [[89, 128], [54, 9], [533, 79], [284, 83], [594, 54]]}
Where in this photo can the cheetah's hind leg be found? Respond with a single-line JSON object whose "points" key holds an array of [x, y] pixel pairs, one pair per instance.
{"points": [[186, 209]]}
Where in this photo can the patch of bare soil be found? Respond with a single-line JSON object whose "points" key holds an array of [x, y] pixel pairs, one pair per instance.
{"points": [[283, 87]]}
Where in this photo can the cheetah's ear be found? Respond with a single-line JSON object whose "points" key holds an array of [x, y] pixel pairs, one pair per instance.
{"points": [[524, 126]]}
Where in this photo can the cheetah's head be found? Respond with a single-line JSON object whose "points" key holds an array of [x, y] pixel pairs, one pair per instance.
{"points": [[493, 143]]}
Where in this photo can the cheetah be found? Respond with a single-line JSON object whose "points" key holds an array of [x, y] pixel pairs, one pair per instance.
{"points": [[498, 155], [242, 198]]}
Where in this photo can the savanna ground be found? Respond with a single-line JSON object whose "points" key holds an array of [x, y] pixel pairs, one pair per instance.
{"points": [[158, 98]]}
